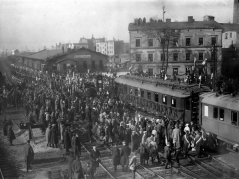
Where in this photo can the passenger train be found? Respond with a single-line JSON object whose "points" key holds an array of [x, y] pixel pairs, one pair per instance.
{"points": [[187, 102]]}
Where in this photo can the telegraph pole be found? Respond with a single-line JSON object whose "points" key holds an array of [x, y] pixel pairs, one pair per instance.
{"points": [[163, 12]]}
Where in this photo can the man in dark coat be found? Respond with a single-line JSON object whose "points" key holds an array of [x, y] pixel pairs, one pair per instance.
{"points": [[89, 131], [134, 144], [116, 156], [29, 155], [54, 136], [10, 134], [67, 140], [5, 124], [124, 160], [95, 158]]}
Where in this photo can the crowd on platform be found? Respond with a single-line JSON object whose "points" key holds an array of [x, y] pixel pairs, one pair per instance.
{"points": [[57, 105]]}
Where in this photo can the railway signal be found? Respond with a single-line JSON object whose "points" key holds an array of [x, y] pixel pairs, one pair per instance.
{"points": [[194, 106]]}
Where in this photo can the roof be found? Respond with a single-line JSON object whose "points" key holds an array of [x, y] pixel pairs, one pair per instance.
{"points": [[223, 101], [25, 54], [44, 54], [175, 25], [230, 27], [137, 82]]}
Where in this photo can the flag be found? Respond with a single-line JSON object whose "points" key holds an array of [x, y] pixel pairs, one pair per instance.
{"points": [[165, 78], [130, 67], [200, 77], [177, 44], [212, 76], [204, 61], [195, 59]]}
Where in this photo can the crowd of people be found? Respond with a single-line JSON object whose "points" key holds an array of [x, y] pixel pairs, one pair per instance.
{"points": [[57, 103]]}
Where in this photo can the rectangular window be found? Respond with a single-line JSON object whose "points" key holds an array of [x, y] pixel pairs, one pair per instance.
{"points": [[150, 43], [150, 57], [142, 93], [175, 57], [138, 57], [137, 43], [200, 41], [200, 56], [156, 97], [136, 92], [164, 99], [230, 35], [173, 102], [130, 90], [188, 56], [149, 95], [234, 118], [213, 41], [162, 56], [175, 71], [221, 117], [205, 110], [151, 71], [187, 104], [215, 113], [188, 42], [93, 64], [225, 35]]}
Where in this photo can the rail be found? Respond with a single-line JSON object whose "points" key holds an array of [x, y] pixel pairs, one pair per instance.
{"points": [[1, 174], [99, 163]]}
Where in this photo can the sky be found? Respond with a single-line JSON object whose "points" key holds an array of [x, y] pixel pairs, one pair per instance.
{"points": [[33, 24]]}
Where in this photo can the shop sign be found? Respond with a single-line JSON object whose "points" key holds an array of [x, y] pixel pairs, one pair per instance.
{"points": [[82, 56]]}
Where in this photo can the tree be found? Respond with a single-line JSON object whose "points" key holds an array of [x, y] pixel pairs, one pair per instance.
{"points": [[167, 38]]}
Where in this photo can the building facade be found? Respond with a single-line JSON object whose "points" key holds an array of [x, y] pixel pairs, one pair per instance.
{"points": [[82, 60], [230, 35], [236, 12], [186, 42]]}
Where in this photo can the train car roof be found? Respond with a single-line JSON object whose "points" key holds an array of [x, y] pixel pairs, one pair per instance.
{"points": [[160, 86], [223, 101]]}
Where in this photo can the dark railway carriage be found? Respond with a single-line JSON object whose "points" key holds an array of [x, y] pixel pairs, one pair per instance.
{"points": [[219, 115], [160, 98]]}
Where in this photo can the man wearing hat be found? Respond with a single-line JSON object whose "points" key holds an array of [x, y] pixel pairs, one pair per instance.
{"points": [[198, 142], [144, 137], [28, 155], [116, 156], [95, 158], [134, 145], [77, 168], [124, 160]]}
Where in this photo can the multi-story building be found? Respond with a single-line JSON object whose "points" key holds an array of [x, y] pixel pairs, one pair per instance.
{"points": [[188, 42]]}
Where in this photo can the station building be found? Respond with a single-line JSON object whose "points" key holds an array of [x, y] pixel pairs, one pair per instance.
{"points": [[82, 60]]}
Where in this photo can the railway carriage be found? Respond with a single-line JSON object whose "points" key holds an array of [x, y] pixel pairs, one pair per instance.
{"points": [[219, 115], [160, 98]]}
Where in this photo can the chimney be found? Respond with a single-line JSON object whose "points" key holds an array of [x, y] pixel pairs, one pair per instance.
{"points": [[209, 18], [190, 19], [168, 20]]}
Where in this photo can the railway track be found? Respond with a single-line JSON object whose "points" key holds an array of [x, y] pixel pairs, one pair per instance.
{"points": [[9, 169], [142, 172]]}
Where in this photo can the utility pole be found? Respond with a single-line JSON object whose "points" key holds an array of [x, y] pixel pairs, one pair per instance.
{"points": [[214, 57], [163, 12]]}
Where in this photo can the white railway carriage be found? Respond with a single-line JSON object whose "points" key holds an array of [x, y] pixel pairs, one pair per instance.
{"points": [[219, 115]]}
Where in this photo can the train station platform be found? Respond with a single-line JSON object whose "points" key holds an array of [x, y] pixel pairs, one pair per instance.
{"points": [[231, 159]]}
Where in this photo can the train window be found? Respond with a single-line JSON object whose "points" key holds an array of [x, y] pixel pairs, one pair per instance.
{"points": [[156, 97], [136, 92], [215, 113], [221, 114], [142, 93], [173, 102], [130, 90], [164, 99], [206, 110], [234, 118], [149, 95], [187, 104]]}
